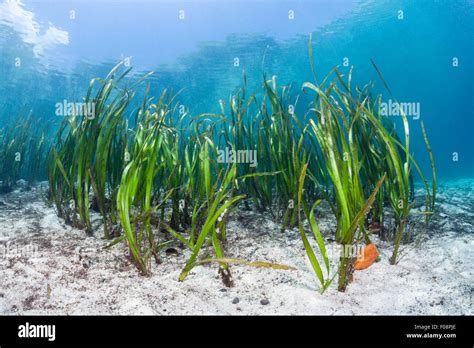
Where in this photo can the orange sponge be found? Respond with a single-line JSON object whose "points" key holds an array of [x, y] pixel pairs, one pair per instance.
{"points": [[367, 257]]}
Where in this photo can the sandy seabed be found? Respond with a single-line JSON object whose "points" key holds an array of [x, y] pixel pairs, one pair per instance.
{"points": [[47, 267]]}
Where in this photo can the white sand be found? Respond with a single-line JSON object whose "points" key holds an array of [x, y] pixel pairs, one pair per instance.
{"points": [[72, 274]]}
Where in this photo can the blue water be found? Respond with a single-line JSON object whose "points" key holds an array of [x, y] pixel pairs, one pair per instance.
{"points": [[60, 55]]}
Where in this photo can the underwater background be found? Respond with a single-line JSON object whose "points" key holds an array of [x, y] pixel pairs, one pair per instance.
{"points": [[146, 145], [424, 50]]}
